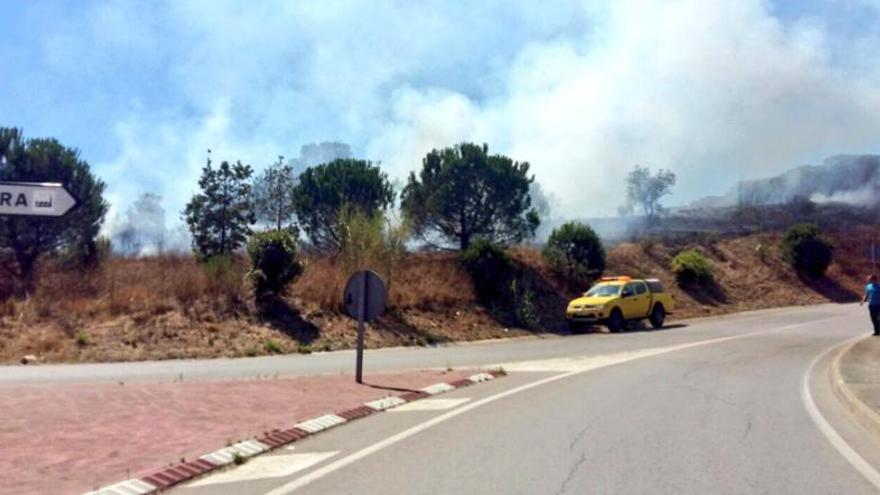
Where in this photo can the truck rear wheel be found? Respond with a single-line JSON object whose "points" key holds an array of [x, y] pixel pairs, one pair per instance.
{"points": [[616, 321], [658, 316]]}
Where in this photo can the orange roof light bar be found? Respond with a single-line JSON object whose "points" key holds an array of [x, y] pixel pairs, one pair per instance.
{"points": [[624, 278]]}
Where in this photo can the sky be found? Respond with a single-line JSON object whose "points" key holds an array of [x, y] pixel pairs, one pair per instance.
{"points": [[716, 91]]}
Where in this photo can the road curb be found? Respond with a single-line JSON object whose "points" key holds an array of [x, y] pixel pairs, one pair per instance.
{"points": [[164, 478], [864, 414]]}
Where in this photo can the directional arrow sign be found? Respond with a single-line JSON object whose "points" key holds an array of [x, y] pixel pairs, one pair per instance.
{"points": [[43, 199]]}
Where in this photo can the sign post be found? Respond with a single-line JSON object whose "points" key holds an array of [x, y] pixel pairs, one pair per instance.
{"points": [[42, 199], [365, 296]]}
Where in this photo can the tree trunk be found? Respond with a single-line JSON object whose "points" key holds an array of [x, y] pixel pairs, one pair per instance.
{"points": [[26, 265], [465, 241]]}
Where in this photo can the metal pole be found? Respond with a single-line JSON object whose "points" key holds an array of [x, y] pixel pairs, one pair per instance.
{"points": [[362, 310]]}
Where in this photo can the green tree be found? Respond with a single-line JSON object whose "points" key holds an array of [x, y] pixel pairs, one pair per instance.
{"points": [[273, 261], [219, 217], [273, 196], [807, 250], [29, 238], [576, 249], [463, 194], [324, 191], [644, 190]]}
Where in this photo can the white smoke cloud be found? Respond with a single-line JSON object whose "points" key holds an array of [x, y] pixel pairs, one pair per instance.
{"points": [[716, 91], [867, 195]]}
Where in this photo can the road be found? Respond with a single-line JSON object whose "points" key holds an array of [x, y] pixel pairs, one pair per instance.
{"points": [[732, 405], [397, 359]]}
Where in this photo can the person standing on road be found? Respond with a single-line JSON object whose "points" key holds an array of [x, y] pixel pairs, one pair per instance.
{"points": [[872, 297]]}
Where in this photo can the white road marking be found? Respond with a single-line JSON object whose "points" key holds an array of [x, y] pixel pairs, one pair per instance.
{"points": [[247, 448], [272, 466], [385, 403], [321, 423], [438, 388], [588, 365], [127, 487], [834, 438], [480, 377], [430, 405]]}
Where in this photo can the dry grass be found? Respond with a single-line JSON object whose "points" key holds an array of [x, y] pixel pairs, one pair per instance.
{"points": [[421, 281], [173, 306]]}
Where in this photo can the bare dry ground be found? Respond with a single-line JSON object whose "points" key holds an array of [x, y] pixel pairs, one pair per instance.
{"points": [[171, 307]]}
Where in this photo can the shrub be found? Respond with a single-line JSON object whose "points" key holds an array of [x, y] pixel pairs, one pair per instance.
{"points": [[576, 249], [804, 247], [272, 347], [273, 262], [375, 242], [81, 338], [691, 267], [491, 268]]}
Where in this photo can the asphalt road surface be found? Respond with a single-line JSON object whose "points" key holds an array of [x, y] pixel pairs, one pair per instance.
{"points": [[732, 405]]}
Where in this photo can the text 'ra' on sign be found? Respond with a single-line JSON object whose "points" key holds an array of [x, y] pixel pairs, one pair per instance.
{"points": [[35, 199]]}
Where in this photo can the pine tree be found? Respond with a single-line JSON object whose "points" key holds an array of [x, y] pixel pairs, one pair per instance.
{"points": [[219, 217]]}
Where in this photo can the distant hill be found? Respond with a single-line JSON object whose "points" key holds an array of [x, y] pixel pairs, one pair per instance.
{"points": [[849, 179], [846, 188]]}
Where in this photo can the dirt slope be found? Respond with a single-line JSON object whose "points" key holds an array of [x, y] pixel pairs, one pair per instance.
{"points": [[171, 307]]}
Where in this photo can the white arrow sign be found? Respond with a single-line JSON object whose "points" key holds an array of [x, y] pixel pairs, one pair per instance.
{"points": [[46, 199]]}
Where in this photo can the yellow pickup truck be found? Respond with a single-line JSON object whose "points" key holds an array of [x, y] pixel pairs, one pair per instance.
{"points": [[614, 301]]}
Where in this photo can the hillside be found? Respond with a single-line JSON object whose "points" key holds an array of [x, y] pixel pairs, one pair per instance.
{"points": [[849, 179], [171, 307]]}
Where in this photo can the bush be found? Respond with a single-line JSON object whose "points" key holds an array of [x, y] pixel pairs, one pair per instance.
{"points": [[272, 347], [576, 249], [691, 267], [804, 247], [273, 262], [491, 268], [372, 242]]}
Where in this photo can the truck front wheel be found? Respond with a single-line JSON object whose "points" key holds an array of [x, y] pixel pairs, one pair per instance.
{"points": [[616, 321]]}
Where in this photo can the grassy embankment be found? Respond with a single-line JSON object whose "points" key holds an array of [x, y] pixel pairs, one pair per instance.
{"points": [[171, 307]]}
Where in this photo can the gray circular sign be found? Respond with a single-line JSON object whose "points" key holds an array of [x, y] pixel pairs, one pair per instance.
{"points": [[365, 291]]}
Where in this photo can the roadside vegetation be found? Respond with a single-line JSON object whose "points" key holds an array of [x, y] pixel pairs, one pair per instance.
{"points": [[807, 250], [271, 253], [692, 268]]}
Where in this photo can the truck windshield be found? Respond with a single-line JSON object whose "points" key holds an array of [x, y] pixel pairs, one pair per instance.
{"points": [[603, 291]]}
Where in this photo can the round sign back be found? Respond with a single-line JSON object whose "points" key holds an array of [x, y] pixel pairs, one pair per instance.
{"points": [[365, 291]]}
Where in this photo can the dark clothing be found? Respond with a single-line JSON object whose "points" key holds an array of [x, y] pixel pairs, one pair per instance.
{"points": [[874, 311]]}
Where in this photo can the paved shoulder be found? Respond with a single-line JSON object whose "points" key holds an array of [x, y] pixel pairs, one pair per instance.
{"points": [[856, 378]]}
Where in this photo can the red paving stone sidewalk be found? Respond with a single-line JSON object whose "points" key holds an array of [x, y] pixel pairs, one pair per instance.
{"points": [[72, 438]]}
